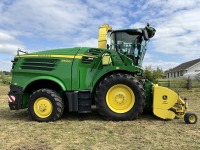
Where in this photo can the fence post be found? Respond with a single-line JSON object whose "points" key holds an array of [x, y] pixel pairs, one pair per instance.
{"points": [[168, 83], [189, 84]]}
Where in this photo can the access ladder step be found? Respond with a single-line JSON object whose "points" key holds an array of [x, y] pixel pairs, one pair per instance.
{"points": [[79, 101]]}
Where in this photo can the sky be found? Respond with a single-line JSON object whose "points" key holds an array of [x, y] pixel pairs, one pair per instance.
{"points": [[35, 25]]}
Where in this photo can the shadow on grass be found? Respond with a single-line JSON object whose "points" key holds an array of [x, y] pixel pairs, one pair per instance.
{"points": [[22, 115], [94, 115], [15, 115]]}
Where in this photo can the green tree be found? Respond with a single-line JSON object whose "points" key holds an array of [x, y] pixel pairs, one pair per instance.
{"points": [[7, 72], [5, 78], [153, 74]]}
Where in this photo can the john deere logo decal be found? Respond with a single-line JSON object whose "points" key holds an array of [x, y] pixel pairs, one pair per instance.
{"points": [[164, 97]]}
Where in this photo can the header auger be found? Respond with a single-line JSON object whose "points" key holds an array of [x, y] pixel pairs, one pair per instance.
{"points": [[74, 79]]}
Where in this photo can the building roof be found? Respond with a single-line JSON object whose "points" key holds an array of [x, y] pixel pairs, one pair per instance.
{"points": [[186, 65]]}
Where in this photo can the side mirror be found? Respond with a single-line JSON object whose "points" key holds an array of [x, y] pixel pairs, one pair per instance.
{"points": [[150, 31], [145, 34]]}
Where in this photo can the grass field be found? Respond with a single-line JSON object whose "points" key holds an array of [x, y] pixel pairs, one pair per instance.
{"points": [[90, 131]]}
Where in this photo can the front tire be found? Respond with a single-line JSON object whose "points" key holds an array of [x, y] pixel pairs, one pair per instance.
{"points": [[190, 118], [120, 97], [45, 105]]}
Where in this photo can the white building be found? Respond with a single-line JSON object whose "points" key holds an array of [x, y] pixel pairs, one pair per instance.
{"points": [[180, 70]]}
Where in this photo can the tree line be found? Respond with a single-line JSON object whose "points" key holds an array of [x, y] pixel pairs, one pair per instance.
{"points": [[153, 74], [5, 77]]}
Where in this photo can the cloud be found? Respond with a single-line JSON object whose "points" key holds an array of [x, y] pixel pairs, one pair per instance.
{"points": [[55, 19], [4, 65], [88, 43], [180, 34], [9, 44], [177, 25], [41, 24], [64, 20], [137, 25], [160, 64], [48, 19]]}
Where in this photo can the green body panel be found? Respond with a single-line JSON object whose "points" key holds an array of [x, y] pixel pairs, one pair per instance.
{"points": [[72, 69], [60, 74], [82, 73], [51, 78], [149, 96], [109, 69], [25, 98], [85, 76]]}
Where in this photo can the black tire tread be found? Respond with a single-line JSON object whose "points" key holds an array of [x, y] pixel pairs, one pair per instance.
{"points": [[103, 86], [58, 102], [187, 120]]}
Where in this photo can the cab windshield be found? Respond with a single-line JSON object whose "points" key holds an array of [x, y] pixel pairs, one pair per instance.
{"points": [[129, 43]]}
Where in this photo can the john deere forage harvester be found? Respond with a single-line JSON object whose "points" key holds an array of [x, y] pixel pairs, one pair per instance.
{"points": [[47, 82]]}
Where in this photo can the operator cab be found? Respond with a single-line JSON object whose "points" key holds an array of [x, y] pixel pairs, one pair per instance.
{"points": [[129, 42]]}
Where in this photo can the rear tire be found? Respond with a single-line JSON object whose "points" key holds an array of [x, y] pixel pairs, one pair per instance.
{"points": [[120, 97], [45, 105]]}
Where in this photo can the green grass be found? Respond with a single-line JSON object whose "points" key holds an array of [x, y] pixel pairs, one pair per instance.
{"points": [[90, 131]]}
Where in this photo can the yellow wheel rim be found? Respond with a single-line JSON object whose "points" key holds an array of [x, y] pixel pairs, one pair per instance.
{"points": [[192, 118], [120, 98], [43, 107]]}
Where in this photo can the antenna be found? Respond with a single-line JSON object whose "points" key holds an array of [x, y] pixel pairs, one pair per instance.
{"points": [[19, 50]]}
